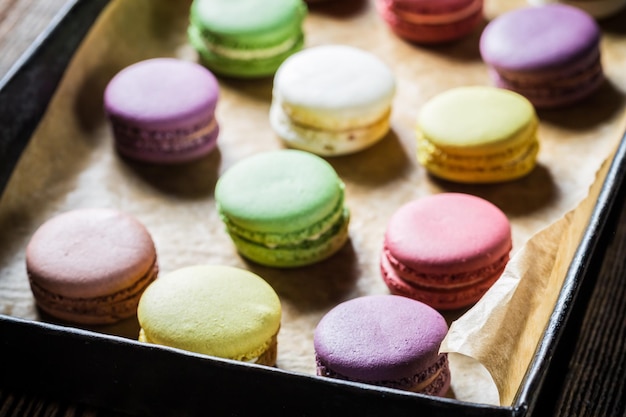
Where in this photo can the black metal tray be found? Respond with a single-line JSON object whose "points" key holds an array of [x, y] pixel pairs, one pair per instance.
{"points": [[138, 379]]}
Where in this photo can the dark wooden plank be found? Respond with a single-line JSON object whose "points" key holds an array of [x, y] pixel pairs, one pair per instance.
{"points": [[21, 21], [588, 377], [592, 381], [19, 404], [595, 383]]}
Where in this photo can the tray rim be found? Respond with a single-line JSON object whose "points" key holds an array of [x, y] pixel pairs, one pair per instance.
{"points": [[14, 141]]}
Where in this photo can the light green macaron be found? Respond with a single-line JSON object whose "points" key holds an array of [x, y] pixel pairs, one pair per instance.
{"points": [[246, 38], [283, 208], [215, 310]]}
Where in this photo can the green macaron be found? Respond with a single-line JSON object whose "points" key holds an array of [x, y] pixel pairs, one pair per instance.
{"points": [[283, 208], [246, 38]]}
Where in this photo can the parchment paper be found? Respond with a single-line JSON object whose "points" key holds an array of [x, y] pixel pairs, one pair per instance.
{"points": [[70, 163]]}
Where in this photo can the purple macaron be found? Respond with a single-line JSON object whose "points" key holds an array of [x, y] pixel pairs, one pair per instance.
{"points": [[549, 54], [384, 340], [162, 110]]}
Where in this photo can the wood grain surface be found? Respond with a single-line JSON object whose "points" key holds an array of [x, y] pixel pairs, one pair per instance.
{"points": [[589, 377], [21, 22]]}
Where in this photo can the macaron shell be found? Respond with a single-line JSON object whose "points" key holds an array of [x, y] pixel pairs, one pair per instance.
{"points": [[484, 118], [89, 252], [279, 191], [215, 310], [546, 34], [334, 87], [162, 94], [379, 337], [448, 233]]}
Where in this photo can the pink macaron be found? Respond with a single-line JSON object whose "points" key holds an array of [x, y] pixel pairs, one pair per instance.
{"points": [[549, 54], [384, 340], [91, 265], [162, 110], [431, 21], [445, 250]]}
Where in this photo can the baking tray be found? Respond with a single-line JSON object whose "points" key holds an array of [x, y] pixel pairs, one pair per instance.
{"points": [[123, 375]]}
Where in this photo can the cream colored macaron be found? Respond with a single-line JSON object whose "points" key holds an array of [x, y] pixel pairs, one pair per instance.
{"points": [[332, 100], [215, 310]]}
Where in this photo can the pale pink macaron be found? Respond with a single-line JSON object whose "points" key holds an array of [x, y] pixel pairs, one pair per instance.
{"points": [[162, 110], [90, 266], [431, 21], [445, 250]]}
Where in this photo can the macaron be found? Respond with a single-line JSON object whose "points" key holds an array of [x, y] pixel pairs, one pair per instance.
{"points": [[445, 250], [599, 9], [215, 310], [478, 134], [549, 54], [91, 265], [431, 21], [246, 38], [332, 100], [283, 208], [162, 110], [384, 340]]}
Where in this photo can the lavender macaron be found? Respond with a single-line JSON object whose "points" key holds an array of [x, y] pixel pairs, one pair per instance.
{"points": [[549, 54], [162, 110], [384, 340]]}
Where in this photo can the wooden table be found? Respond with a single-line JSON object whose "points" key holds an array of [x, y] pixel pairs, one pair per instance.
{"points": [[589, 378]]}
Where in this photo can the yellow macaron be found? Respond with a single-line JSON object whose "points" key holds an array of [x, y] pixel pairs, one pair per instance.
{"points": [[478, 134], [215, 310]]}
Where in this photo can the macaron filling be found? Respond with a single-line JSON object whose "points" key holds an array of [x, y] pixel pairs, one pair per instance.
{"points": [[554, 84], [327, 141], [317, 247], [434, 17], [434, 380], [517, 157], [445, 281], [116, 306], [304, 237], [175, 141], [243, 52]]}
